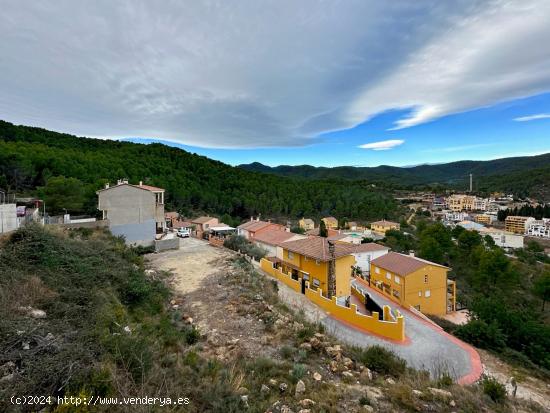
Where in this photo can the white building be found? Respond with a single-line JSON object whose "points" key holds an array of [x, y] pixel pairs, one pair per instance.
{"points": [[539, 228], [456, 216], [365, 253], [504, 239]]}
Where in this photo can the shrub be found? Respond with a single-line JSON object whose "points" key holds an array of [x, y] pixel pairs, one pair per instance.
{"points": [[381, 360], [298, 371], [492, 388], [481, 334], [305, 333], [191, 334], [287, 352]]}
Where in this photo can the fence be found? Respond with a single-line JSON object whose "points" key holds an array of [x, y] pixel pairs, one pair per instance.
{"points": [[387, 327]]}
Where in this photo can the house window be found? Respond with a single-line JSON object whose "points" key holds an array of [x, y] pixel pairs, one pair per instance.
{"points": [[388, 276], [397, 280], [427, 293], [316, 283], [425, 279], [317, 262], [420, 293], [290, 255], [377, 270]]}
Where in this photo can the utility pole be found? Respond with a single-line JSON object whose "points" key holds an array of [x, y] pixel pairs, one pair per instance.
{"points": [[331, 271]]}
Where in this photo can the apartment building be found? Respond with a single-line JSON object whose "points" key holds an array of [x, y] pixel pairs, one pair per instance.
{"points": [[517, 224], [539, 228], [484, 219]]}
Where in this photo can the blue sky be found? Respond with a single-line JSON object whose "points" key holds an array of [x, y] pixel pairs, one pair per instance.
{"points": [[481, 134], [286, 82]]}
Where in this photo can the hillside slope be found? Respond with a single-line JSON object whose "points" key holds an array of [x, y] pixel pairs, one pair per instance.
{"points": [[31, 157], [531, 171]]}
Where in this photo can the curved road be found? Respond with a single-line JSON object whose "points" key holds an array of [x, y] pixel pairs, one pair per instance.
{"points": [[427, 347]]}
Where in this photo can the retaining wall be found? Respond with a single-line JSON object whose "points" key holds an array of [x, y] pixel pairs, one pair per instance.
{"points": [[387, 327]]}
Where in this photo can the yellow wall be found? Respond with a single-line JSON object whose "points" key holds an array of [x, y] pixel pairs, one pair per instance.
{"points": [[412, 284], [383, 228], [330, 223], [319, 270], [387, 327]]}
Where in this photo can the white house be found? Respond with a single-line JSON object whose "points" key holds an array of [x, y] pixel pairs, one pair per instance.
{"points": [[365, 253]]}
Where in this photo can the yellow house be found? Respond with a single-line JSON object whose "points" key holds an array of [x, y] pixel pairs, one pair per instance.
{"points": [[330, 222], [381, 227], [306, 224], [308, 260], [414, 282]]}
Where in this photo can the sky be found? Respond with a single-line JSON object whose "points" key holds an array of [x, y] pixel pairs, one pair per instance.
{"points": [[328, 83]]}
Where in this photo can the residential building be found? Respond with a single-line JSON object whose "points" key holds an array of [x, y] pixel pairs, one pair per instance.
{"points": [[503, 239], [381, 227], [481, 204], [484, 219], [310, 260], [171, 218], [539, 228], [517, 224], [414, 282], [203, 224], [330, 222], [135, 212], [438, 203], [365, 253], [251, 228], [460, 202], [271, 240], [306, 224], [456, 216]]}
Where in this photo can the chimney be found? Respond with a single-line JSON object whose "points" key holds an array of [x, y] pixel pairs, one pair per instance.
{"points": [[118, 181], [140, 183], [251, 218], [411, 253], [107, 185]]}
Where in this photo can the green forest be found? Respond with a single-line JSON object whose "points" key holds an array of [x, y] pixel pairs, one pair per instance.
{"points": [[66, 171]]}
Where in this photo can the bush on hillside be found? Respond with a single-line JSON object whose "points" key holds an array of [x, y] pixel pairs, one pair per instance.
{"points": [[492, 388], [240, 243], [380, 360]]}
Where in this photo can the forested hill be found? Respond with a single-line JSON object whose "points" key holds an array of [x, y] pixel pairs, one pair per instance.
{"points": [[67, 170], [528, 175]]}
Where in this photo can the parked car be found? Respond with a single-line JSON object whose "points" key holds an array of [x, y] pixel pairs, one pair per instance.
{"points": [[183, 232]]}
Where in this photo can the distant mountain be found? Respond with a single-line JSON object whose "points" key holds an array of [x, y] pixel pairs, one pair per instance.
{"points": [[528, 172]]}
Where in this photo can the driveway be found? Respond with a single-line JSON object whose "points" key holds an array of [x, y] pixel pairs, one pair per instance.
{"points": [[427, 347]]}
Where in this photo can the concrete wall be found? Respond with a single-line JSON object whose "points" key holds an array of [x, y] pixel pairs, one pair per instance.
{"points": [[167, 244], [8, 218], [138, 234]]}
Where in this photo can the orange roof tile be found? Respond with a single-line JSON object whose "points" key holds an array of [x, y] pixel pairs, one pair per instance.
{"points": [[317, 248], [402, 264]]}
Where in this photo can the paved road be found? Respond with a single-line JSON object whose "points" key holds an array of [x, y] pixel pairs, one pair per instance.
{"points": [[428, 347]]}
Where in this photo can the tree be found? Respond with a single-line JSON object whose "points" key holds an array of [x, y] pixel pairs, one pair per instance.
{"points": [[431, 250], [541, 288], [323, 232], [62, 194]]}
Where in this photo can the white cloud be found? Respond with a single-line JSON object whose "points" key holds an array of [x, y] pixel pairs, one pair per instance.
{"points": [[533, 117], [382, 145], [272, 73]]}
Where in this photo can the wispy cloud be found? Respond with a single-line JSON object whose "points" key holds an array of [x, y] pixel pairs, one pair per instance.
{"points": [[533, 117], [382, 145], [272, 73]]}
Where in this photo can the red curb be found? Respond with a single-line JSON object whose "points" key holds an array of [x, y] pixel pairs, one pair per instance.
{"points": [[476, 369]]}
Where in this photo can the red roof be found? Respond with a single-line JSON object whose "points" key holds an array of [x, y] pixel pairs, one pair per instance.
{"points": [[149, 188], [274, 237], [317, 248], [402, 264], [367, 247]]}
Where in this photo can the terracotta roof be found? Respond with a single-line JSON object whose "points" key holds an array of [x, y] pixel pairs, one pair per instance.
{"points": [[274, 237], [317, 248], [384, 223], [202, 220], [402, 264], [149, 188], [253, 226], [171, 214], [337, 237], [367, 247], [182, 224], [330, 232]]}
